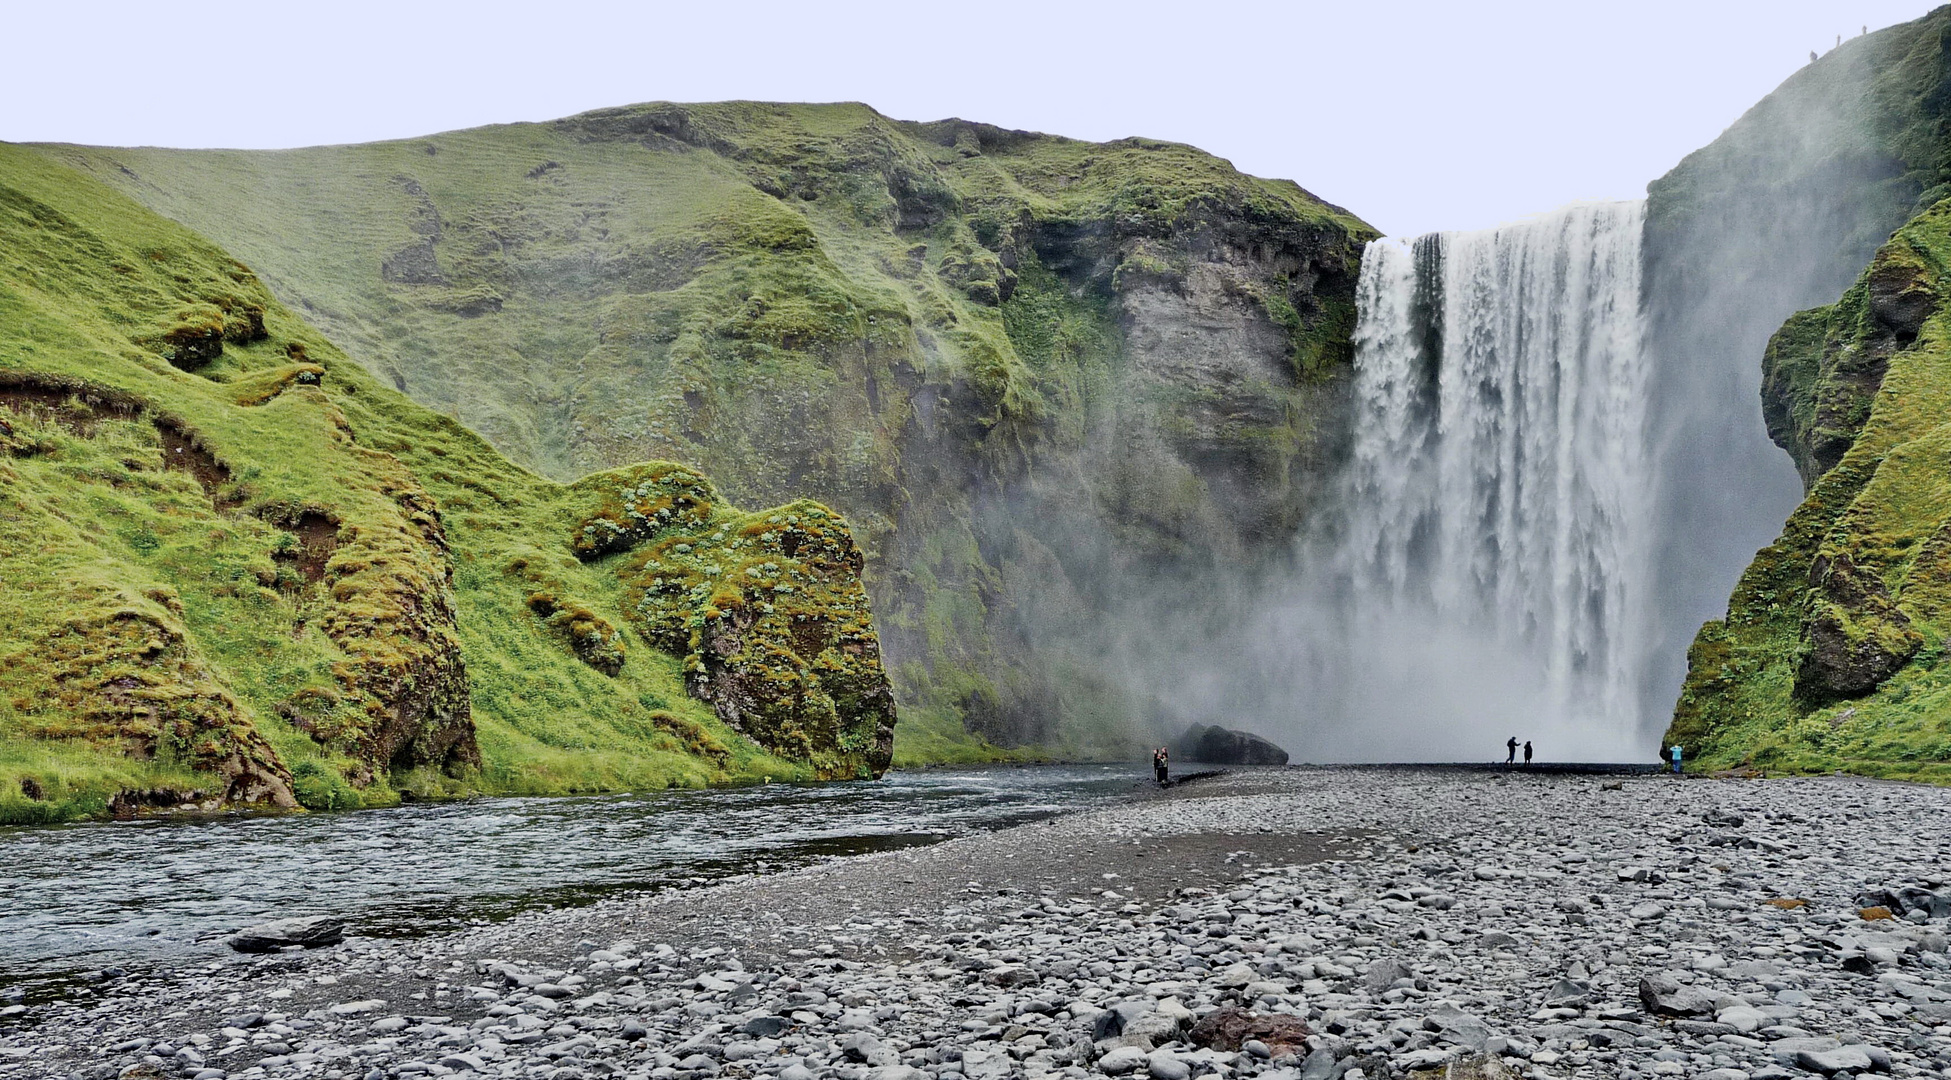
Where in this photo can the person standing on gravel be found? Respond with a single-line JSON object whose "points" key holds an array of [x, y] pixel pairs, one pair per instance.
{"points": [[1511, 745], [1676, 759], [1161, 763], [1527, 751]]}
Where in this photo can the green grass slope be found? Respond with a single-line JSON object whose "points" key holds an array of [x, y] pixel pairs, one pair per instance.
{"points": [[1024, 367], [238, 569], [1832, 652]]}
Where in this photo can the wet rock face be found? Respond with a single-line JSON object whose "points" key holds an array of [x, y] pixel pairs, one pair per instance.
{"points": [[1253, 417], [1215, 745]]}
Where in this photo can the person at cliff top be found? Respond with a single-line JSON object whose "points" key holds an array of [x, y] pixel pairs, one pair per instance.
{"points": [[1527, 751], [1676, 757], [1511, 745], [1160, 762]]}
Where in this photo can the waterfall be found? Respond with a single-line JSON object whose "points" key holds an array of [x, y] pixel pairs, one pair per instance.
{"points": [[1487, 571]]}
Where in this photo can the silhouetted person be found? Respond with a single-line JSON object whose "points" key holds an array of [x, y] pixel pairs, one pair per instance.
{"points": [[1161, 763], [1511, 758], [1812, 56], [1527, 751]]}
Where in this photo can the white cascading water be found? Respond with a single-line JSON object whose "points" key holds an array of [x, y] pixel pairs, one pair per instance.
{"points": [[1489, 569]]}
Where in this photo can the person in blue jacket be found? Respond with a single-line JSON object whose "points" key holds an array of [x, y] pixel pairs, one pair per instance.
{"points": [[1676, 757]]}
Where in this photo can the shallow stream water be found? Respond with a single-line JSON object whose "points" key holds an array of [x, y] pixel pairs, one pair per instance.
{"points": [[90, 896]]}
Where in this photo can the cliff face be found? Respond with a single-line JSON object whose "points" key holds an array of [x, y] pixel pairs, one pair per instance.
{"points": [[1029, 370], [1831, 653], [1780, 213], [1825, 658], [240, 572]]}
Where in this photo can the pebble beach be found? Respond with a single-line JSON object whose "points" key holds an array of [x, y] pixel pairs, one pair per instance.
{"points": [[1292, 924]]}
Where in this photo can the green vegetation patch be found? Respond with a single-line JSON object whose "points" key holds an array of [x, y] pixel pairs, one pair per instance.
{"points": [[1831, 655], [257, 576]]}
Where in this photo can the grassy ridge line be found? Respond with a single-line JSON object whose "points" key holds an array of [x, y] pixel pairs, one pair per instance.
{"points": [[911, 322], [101, 538]]}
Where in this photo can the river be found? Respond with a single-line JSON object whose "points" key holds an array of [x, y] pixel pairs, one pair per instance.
{"points": [[89, 896]]}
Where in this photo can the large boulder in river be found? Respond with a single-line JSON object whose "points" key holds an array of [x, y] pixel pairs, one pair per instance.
{"points": [[311, 932], [1215, 745]]}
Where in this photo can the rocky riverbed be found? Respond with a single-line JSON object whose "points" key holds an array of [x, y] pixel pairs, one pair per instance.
{"points": [[1294, 924]]}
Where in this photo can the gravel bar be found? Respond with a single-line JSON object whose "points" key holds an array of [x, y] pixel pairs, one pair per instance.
{"points": [[1303, 924]]}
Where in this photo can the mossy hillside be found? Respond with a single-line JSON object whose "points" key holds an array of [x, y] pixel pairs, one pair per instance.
{"points": [[270, 578], [959, 336], [1857, 142], [1831, 655]]}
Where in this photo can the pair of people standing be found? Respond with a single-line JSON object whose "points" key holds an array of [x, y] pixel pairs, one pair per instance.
{"points": [[1511, 758]]}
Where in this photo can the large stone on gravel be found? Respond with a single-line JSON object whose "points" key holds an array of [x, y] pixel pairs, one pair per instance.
{"points": [[1383, 973], [1111, 1022], [1319, 1065], [1841, 1059], [1229, 1029], [766, 1027], [985, 1065], [1011, 976], [1236, 977], [1480, 1067], [862, 1048], [1156, 1026], [1745, 1019], [1664, 995], [1121, 1061], [1162, 1065], [310, 932], [1568, 993], [1454, 1025], [1215, 745]]}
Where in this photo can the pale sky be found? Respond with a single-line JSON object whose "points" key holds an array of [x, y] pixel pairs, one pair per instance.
{"points": [[1417, 116]]}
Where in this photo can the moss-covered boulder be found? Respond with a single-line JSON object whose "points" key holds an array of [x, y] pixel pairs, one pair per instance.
{"points": [[767, 609]]}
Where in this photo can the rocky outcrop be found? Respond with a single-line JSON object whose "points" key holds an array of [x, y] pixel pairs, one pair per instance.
{"points": [[1819, 376], [307, 932], [1856, 635], [1215, 745], [767, 609]]}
